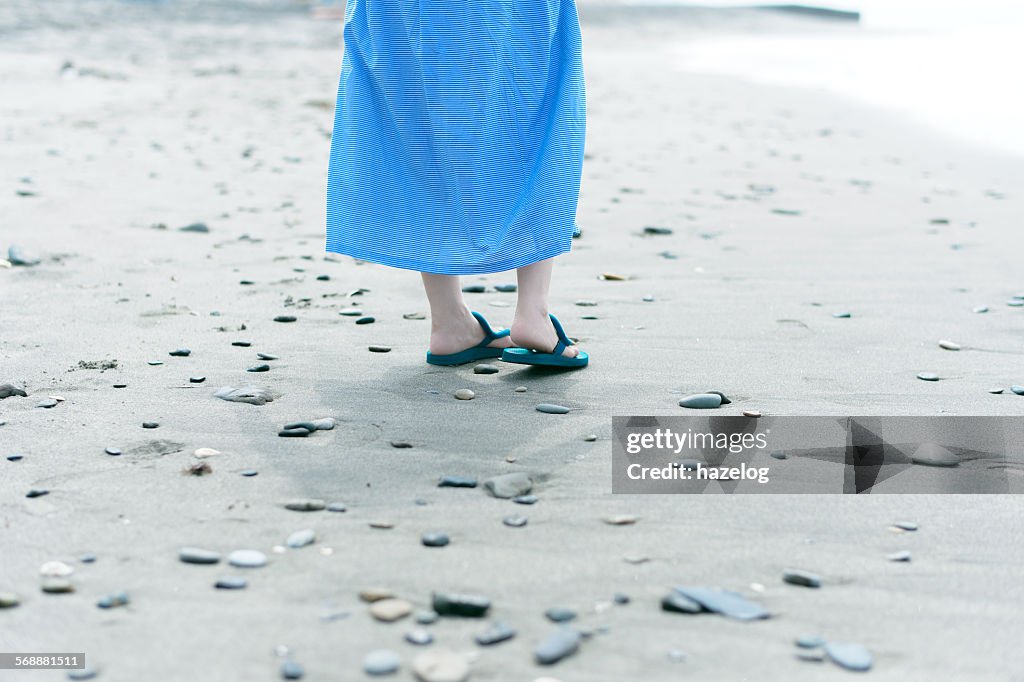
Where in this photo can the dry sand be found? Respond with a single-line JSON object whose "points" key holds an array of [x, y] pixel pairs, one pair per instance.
{"points": [[226, 122]]}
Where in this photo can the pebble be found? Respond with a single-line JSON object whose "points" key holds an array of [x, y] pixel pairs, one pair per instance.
{"points": [[474, 289], [114, 600], [928, 376], [465, 394], [290, 670], [154, 363], [381, 662], [558, 614], [301, 538], [231, 582], [520, 389], [337, 507], [294, 433], [382, 524], [751, 413], [369, 319], [252, 395], [203, 453], [57, 586], [112, 451], [150, 425], [305, 504], [285, 318], [9, 600], [241, 344], [842, 315], [906, 525], [85, 673], [725, 602], [590, 437], [263, 367], [419, 637], [485, 369], [949, 345], [612, 277], [980, 309], [778, 454], [650, 229], [400, 444], [468, 605], [701, 401], [620, 520], [414, 316], [1015, 303], [249, 472], [372, 594], [17, 255], [435, 539], [247, 558], [497, 632], [194, 555], [551, 408], [426, 617], [931, 454], [180, 353], [379, 349], [509, 486], [526, 499], [196, 380], [456, 482], [556, 646], [36, 492], [1016, 388], [15, 458], [809, 641], [390, 609], [266, 356], [903, 555], [506, 288], [351, 312], [514, 521], [795, 576], [440, 666], [849, 655], [46, 402]]}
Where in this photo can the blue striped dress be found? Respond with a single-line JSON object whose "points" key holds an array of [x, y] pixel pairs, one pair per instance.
{"points": [[458, 134]]}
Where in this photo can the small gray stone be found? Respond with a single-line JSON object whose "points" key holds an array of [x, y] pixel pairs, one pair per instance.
{"points": [[440, 666], [290, 670], [902, 555], [301, 538], [778, 454], [810, 641], [419, 637], [8, 600], [426, 617], [259, 368], [247, 558], [677, 603], [150, 425], [18, 256], [114, 600], [285, 318], [435, 539], [36, 492], [509, 486], [180, 353], [231, 582], [464, 394], [849, 655], [381, 662], [701, 401], [325, 424], [551, 408], [556, 646], [505, 288], [620, 598], [906, 525], [57, 586], [1019, 390], [948, 345], [194, 555], [928, 376], [496, 633], [369, 319], [525, 499], [474, 289], [795, 576], [337, 507], [112, 451], [725, 602], [515, 521], [844, 315], [997, 390], [486, 368], [456, 482], [86, 673], [47, 402], [467, 605], [249, 473], [379, 349], [560, 614]]}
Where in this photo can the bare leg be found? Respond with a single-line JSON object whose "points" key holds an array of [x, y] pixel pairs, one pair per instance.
{"points": [[531, 327], [452, 326]]}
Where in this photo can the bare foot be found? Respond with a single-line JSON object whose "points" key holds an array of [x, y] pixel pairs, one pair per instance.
{"points": [[452, 336], [538, 332]]}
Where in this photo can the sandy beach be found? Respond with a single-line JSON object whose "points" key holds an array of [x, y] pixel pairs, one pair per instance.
{"points": [[164, 174]]}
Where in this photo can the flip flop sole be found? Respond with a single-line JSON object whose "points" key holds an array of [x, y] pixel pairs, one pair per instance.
{"points": [[462, 357], [525, 356]]}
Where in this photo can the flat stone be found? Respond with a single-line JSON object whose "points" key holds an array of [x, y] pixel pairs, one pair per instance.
{"points": [[285, 318], [440, 666], [1016, 388], [778, 454], [382, 524], [558, 614], [526, 499], [903, 555], [263, 367], [795, 576], [9, 600], [390, 609], [55, 569], [508, 486], [15, 458], [725, 602], [468, 605], [247, 558], [435, 539], [196, 380], [928, 376], [47, 402], [556, 646], [980, 309], [809, 641], [620, 519], [114, 600], [180, 353], [842, 315], [400, 444], [419, 637], [474, 289], [150, 425], [305, 504], [948, 345], [337, 507], [369, 319], [36, 492], [301, 538], [231, 582], [701, 401], [514, 521], [381, 662], [520, 389], [373, 594], [497, 632], [932, 454], [57, 586], [86, 673], [485, 368], [506, 288], [464, 394], [997, 390], [551, 408], [249, 473], [194, 555], [426, 617], [8, 390], [456, 482], [753, 414], [590, 438], [350, 312], [849, 655], [906, 525], [379, 349]]}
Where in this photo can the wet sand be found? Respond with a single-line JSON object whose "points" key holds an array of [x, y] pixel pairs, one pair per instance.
{"points": [[785, 206]]}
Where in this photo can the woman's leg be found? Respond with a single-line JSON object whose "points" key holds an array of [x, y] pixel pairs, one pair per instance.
{"points": [[531, 326], [452, 326]]}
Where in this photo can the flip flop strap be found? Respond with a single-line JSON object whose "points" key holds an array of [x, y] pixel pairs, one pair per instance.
{"points": [[563, 340], [489, 334]]}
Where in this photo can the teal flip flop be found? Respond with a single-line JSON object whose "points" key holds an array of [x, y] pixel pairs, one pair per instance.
{"points": [[528, 356], [478, 352]]}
